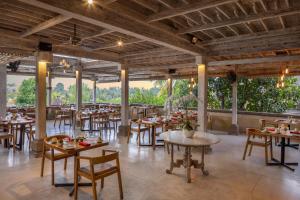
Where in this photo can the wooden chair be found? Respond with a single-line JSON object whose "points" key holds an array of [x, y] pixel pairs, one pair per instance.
{"points": [[81, 119], [135, 125], [53, 155], [30, 132], [62, 115], [7, 136], [115, 118], [102, 122], [99, 168], [263, 123], [258, 138]]}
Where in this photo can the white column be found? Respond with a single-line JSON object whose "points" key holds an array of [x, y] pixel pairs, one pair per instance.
{"points": [[78, 88], [124, 95], [49, 88], [202, 92], [42, 58], [234, 125], [234, 103], [123, 129], [95, 91], [170, 91], [3, 90]]}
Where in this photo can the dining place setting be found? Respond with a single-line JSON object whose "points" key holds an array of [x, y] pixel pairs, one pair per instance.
{"points": [[17, 124], [60, 147]]}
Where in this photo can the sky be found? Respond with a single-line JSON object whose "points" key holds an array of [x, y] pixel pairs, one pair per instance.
{"points": [[70, 81]]}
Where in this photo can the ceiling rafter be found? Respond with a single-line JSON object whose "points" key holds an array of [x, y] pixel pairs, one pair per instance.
{"points": [[241, 20], [46, 24], [117, 22], [189, 8]]}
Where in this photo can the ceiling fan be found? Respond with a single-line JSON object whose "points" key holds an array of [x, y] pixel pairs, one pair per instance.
{"points": [[74, 40]]}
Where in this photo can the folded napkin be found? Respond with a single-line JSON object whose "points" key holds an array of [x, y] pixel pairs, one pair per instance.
{"points": [[270, 129], [85, 144]]}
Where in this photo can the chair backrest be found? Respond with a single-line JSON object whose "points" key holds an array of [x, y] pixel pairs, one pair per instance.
{"points": [[105, 158], [267, 123], [254, 131], [58, 137]]}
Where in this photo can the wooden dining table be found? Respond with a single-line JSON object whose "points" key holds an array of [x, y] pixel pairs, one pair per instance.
{"points": [[21, 123], [288, 123], [74, 148], [153, 123], [283, 135]]}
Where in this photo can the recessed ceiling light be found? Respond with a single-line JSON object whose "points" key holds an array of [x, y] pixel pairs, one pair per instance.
{"points": [[120, 43], [90, 2]]}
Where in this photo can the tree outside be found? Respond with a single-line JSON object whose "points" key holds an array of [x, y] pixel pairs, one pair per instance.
{"points": [[26, 93], [257, 95]]}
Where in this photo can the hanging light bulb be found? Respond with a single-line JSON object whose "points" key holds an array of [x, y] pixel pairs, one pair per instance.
{"points": [[282, 77], [277, 85], [282, 84], [90, 2], [286, 70], [120, 43]]}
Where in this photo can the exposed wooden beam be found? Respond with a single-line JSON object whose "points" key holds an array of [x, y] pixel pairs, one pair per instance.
{"points": [[117, 22], [46, 24], [263, 4], [241, 8], [287, 2], [233, 21], [223, 12], [254, 36], [282, 22], [255, 60], [11, 39], [114, 44], [101, 33], [185, 9]]}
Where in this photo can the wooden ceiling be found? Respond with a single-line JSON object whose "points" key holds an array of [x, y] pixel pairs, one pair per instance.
{"points": [[156, 35]]}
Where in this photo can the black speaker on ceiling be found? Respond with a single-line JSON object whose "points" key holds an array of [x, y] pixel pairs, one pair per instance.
{"points": [[172, 71], [44, 46]]}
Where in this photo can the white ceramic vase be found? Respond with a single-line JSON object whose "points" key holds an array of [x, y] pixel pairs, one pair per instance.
{"points": [[188, 133]]}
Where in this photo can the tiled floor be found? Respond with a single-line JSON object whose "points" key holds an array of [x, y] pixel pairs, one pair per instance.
{"points": [[144, 177]]}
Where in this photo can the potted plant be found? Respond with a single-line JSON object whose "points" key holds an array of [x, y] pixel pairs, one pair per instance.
{"points": [[188, 128]]}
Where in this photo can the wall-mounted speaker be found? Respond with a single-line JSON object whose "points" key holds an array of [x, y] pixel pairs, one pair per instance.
{"points": [[44, 46]]}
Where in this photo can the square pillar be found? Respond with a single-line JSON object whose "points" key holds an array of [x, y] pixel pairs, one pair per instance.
{"points": [[170, 92], [3, 90], [42, 58], [49, 89], [123, 129], [202, 92], [78, 88], [95, 91], [234, 123]]}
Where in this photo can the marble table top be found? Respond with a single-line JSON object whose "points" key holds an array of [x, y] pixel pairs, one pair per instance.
{"points": [[199, 138]]}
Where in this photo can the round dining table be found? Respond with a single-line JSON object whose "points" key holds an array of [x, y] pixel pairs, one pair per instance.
{"points": [[199, 140]]}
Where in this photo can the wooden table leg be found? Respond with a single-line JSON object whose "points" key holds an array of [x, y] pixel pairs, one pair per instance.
{"points": [[205, 172], [169, 171], [153, 137], [188, 163]]}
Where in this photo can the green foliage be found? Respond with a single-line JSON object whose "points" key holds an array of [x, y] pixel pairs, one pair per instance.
{"points": [[26, 93], [261, 95], [219, 93], [143, 96]]}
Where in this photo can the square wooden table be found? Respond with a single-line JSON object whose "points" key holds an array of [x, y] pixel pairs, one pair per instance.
{"points": [[75, 152]]}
